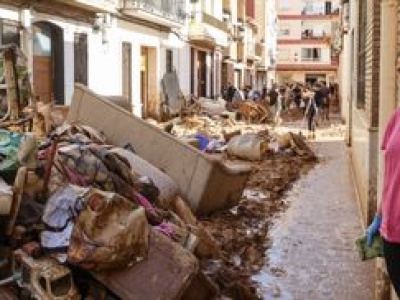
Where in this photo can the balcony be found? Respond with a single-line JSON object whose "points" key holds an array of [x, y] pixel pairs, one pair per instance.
{"points": [[202, 30], [214, 22], [169, 13], [311, 59], [309, 35], [317, 11], [252, 52], [109, 6], [200, 35]]}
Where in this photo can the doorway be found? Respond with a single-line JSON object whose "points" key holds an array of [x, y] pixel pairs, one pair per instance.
{"points": [[48, 62], [201, 74]]}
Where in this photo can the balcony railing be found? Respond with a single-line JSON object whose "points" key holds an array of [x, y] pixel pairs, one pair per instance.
{"points": [[204, 18], [95, 5], [319, 12], [311, 59], [310, 34], [231, 51], [171, 10]]}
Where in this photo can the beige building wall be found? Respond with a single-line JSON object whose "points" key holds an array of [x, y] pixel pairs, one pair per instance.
{"points": [[305, 40], [365, 105]]}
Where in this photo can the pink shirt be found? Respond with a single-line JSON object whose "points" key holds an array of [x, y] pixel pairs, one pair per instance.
{"points": [[390, 228]]}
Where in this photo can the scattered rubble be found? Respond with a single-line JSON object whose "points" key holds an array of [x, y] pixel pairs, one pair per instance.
{"points": [[89, 208], [243, 230]]}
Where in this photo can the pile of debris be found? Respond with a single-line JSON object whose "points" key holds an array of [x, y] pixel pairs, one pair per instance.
{"points": [[243, 230], [107, 200], [222, 133]]}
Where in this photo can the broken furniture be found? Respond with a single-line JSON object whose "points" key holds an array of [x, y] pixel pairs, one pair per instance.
{"points": [[206, 183]]}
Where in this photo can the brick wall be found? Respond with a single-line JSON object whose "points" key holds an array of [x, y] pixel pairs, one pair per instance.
{"points": [[372, 62]]}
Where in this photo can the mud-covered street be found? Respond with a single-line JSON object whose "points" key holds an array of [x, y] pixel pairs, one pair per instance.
{"points": [[312, 254], [292, 235]]}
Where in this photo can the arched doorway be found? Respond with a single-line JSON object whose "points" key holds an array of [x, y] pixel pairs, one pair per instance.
{"points": [[48, 62]]}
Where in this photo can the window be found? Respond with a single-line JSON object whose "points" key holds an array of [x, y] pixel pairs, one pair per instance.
{"points": [[311, 54], [328, 7], [361, 55], [169, 61], [9, 32]]}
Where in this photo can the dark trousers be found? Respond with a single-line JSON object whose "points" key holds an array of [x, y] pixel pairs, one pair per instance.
{"points": [[311, 115], [391, 252]]}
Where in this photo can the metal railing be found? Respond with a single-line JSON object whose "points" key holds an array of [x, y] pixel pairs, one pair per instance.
{"points": [[174, 10], [199, 17], [311, 59]]}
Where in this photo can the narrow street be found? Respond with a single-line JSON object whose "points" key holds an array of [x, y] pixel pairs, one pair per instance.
{"points": [[199, 149], [313, 255]]}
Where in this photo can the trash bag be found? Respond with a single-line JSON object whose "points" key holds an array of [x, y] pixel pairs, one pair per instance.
{"points": [[110, 232], [247, 146]]}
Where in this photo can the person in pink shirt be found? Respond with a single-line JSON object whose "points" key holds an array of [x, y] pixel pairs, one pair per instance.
{"points": [[387, 218]]}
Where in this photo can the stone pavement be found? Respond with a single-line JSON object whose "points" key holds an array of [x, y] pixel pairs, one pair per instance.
{"points": [[313, 254]]}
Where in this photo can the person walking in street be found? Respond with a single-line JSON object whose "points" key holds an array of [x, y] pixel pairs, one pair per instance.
{"points": [[273, 95], [264, 92], [387, 219], [309, 115], [325, 102], [319, 96], [230, 92], [297, 94], [279, 106]]}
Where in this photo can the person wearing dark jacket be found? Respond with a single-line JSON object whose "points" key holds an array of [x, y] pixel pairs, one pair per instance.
{"points": [[273, 96], [230, 92]]}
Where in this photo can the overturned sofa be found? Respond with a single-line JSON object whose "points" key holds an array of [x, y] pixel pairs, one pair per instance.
{"points": [[206, 183]]}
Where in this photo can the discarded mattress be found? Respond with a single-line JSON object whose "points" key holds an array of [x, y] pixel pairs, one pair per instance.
{"points": [[206, 183]]}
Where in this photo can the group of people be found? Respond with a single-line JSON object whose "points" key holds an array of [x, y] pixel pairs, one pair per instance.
{"points": [[312, 99]]}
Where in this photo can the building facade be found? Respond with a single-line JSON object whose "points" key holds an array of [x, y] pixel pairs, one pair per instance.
{"points": [[124, 47], [201, 58], [305, 38], [266, 19], [114, 47], [370, 78], [247, 57]]}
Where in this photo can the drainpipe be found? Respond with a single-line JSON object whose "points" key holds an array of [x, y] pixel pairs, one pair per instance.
{"points": [[387, 104]]}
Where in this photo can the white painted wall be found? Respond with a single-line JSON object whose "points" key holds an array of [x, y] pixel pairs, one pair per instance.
{"points": [[105, 59]]}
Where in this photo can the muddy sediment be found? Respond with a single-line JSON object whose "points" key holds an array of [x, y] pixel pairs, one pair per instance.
{"points": [[243, 230]]}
